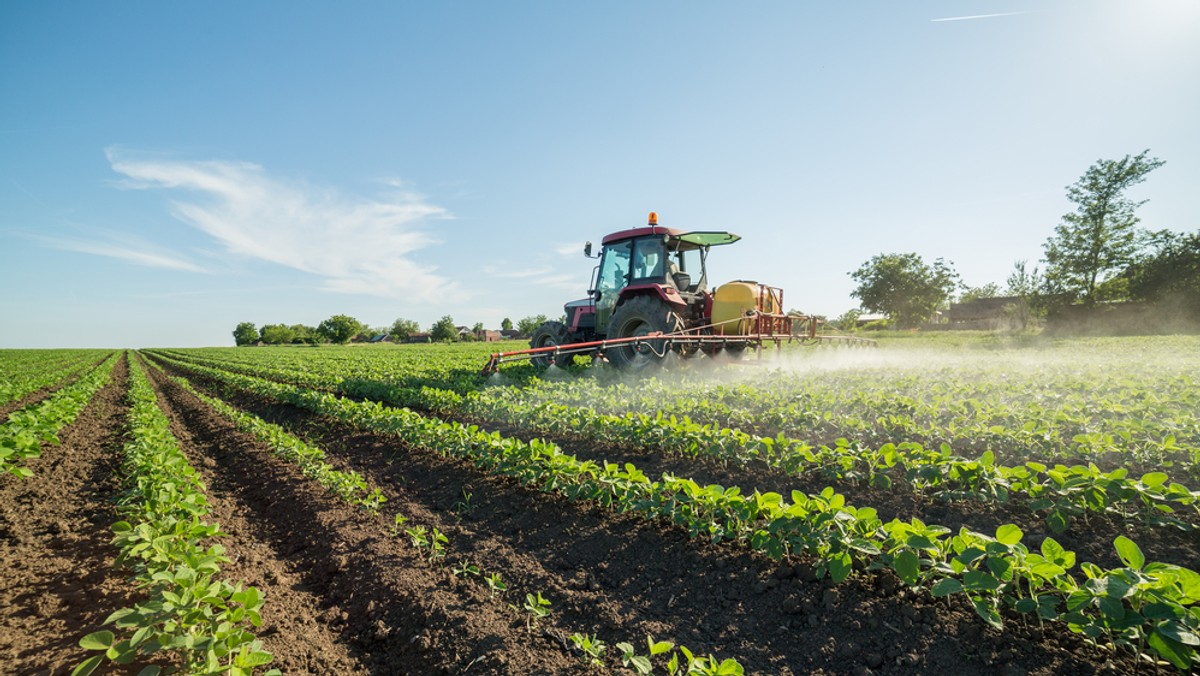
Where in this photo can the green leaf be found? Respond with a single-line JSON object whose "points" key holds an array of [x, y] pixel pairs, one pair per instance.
{"points": [[946, 586], [988, 613], [1058, 521], [87, 666], [1176, 632], [255, 659], [840, 567], [1154, 479], [1172, 651], [100, 640], [907, 566], [1129, 552], [1009, 534]]}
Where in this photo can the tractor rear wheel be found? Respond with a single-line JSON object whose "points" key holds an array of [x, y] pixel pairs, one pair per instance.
{"points": [[641, 316], [550, 334]]}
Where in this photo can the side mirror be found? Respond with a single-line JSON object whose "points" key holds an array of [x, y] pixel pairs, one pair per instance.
{"points": [[587, 249]]}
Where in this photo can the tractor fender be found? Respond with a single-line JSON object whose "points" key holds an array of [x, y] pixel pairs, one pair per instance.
{"points": [[667, 294]]}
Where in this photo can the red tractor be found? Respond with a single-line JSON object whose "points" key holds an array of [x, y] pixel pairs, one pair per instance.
{"points": [[649, 296]]}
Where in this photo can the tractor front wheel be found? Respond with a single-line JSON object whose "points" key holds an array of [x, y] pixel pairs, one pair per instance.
{"points": [[550, 334], [641, 316]]}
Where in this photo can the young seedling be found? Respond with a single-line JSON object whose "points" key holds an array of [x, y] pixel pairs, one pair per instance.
{"points": [[591, 647], [465, 568], [496, 586], [536, 608], [463, 508], [399, 523], [419, 536], [437, 545]]}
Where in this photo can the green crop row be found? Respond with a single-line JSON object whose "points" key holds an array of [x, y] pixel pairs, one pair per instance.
{"points": [[189, 615], [26, 371], [1111, 403], [1061, 492], [1144, 606], [22, 436], [675, 659], [350, 486]]}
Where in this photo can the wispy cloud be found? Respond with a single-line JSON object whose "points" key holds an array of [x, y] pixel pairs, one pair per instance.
{"points": [[140, 253], [984, 16], [357, 245]]}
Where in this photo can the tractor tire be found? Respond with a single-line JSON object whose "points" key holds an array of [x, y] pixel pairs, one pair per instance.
{"points": [[550, 334], [638, 317]]}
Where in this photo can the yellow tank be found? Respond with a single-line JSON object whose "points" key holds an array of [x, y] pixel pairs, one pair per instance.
{"points": [[732, 300]]}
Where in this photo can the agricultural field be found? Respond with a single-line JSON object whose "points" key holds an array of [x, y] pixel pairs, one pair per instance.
{"points": [[968, 504]]}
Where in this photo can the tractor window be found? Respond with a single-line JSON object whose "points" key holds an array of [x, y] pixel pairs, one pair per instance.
{"points": [[648, 259], [614, 269]]}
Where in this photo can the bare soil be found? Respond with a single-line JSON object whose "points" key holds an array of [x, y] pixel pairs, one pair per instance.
{"points": [[614, 575], [56, 576]]}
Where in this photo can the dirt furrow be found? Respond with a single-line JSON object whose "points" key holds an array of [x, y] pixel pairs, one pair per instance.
{"points": [[56, 576], [44, 393], [361, 599], [630, 578]]}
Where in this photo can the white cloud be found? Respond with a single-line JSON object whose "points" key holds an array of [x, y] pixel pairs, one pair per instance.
{"points": [[358, 245], [133, 252], [983, 16]]}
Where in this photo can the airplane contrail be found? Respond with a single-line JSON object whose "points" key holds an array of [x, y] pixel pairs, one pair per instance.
{"points": [[983, 16]]}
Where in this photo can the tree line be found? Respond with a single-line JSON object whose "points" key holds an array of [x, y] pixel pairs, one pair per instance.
{"points": [[1097, 253], [341, 329]]}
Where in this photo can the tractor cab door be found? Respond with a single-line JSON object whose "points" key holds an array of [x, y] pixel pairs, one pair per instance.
{"points": [[614, 276]]}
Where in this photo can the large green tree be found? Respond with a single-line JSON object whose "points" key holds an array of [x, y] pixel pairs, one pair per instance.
{"points": [[1169, 273], [245, 334], [277, 334], [904, 286], [340, 328], [1099, 238], [444, 330], [528, 325], [403, 328]]}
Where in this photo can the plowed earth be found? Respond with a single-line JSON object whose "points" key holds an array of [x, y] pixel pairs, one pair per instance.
{"points": [[56, 579], [335, 577]]}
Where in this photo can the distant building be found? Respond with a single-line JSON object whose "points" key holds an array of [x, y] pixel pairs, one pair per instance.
{"points": [[488, 336], [420, 338], [512, 334], [982, 313]]}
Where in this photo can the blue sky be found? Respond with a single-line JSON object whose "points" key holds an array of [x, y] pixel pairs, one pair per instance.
{"points": [[168, 170]]}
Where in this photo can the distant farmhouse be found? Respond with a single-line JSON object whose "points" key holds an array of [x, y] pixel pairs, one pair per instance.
{"points": [[988, 314]]}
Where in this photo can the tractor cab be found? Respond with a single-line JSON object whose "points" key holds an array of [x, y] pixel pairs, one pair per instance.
{"points": [[662, 262]]}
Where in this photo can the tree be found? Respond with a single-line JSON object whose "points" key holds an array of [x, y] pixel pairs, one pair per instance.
{"points": [[989, 290], [302, 334], [245, 334], [276, 334], [1100, 236], [403, 328], [904, 286], [1029, 286], [529, 324], [340, 328], [1170, 273], [506, 325], [444, 330], [478, 328]]}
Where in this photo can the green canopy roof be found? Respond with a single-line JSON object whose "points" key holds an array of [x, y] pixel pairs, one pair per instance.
{"points": [[709, 238]]}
